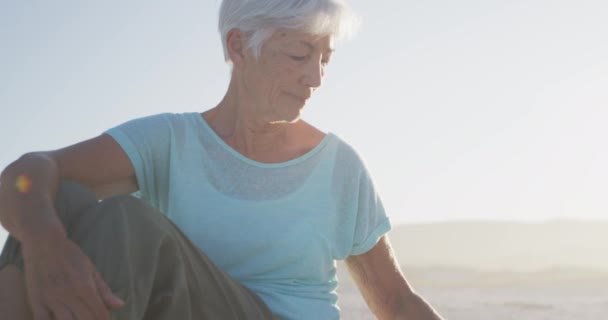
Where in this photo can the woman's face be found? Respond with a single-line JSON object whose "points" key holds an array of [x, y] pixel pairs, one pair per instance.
{"points": [[289, 69]]}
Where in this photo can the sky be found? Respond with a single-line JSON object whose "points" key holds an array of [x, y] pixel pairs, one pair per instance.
{"points": [[492, 110]]}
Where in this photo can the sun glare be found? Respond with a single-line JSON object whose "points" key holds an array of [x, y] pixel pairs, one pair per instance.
{"points": [[23, 183]]}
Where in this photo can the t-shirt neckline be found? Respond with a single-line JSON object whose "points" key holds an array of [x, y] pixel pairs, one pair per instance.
{"points": [[328, 136]]}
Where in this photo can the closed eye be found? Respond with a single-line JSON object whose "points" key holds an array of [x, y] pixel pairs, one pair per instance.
{"points": [[298, 58]]}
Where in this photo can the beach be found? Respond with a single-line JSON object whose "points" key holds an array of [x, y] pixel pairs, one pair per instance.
{"points": [[560, 297], [499, 271]]}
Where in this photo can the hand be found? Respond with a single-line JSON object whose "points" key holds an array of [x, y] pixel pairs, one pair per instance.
{"points": [[63, 284]]}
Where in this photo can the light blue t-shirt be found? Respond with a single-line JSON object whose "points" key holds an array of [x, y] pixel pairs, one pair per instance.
{"points": [[276, 228]]}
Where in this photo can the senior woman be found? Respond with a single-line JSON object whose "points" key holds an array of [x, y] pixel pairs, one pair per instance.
{"points": [[242, 211]]}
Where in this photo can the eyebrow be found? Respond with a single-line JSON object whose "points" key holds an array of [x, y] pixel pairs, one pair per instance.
{"points": [[310, 46]]}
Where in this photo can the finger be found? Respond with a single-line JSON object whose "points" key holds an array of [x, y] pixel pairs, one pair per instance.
{"points": [[63, 313], [39, 311], [80, 310], [95, 305], [111, 300]]}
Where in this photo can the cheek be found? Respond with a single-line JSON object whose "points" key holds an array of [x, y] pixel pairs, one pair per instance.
{"points": [[279, 67], [277, 76]]}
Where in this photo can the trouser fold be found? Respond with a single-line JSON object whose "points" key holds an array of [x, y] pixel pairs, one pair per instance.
{"points": [[147, 261]]}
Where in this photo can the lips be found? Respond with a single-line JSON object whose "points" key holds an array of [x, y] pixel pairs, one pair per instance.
{"points": [[303, 98]]}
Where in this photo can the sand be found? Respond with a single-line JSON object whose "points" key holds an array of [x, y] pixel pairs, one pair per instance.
{"points": [[524, 299]]}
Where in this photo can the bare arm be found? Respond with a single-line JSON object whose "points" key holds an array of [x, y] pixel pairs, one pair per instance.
{"points": [[98, 163], [384, 287], [60, 279]]}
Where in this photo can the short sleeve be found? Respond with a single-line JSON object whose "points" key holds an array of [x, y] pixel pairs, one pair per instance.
{"points": [[362, 220], [371, 220], [146, 141]]}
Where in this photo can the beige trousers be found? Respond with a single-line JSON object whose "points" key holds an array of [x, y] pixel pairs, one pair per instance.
{"points": [[147, 261]]}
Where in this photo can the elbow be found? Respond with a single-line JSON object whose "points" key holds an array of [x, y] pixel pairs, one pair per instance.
{"points": [[35, 156], [393, 306], [28, 167], [23, 163], [413, 306], [26, 158], [31, 173], [401, 306], [33, 160]]}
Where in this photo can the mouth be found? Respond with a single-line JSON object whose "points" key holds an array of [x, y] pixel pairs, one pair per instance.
{"points": [[302, 99]]}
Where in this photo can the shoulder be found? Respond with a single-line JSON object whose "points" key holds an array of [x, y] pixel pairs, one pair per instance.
{"points": [[171, 119], [153, 132], [349, 170], [166, 117], [160, 123], [347, 155]]}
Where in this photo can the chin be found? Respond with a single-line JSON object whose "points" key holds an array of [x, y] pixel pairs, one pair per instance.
{"points": [[286, 120], [290, 114], [290, 117], [297, 114], [294, 120]]}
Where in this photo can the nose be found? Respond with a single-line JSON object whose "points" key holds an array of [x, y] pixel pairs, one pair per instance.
{"points": [[313, 74]]}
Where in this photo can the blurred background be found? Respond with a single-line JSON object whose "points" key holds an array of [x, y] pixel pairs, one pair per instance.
{"points": [[483, 124]]}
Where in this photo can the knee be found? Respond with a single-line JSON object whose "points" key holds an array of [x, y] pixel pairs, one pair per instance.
{"points": [[113, 220], [72, 199], [69, 190], [101, 216], [119, 217], [123, 204], [121, 208]]}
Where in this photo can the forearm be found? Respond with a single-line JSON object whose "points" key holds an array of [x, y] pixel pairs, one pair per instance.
{"points": [[27, 190], [414, 307]]}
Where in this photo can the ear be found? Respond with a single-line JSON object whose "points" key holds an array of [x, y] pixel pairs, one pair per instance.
{"points": [[236, 43]]}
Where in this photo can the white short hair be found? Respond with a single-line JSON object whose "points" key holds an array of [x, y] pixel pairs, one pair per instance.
{"points": [[259, 19]]}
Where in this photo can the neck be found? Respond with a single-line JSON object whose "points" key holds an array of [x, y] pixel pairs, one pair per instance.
{"points": [[249, 134]]}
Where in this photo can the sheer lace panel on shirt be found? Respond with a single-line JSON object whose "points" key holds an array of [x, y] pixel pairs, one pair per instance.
{"points": [[237, 178], [346, 178]]}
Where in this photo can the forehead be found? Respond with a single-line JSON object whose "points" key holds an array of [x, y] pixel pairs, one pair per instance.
{"points": [[292, 39]]}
